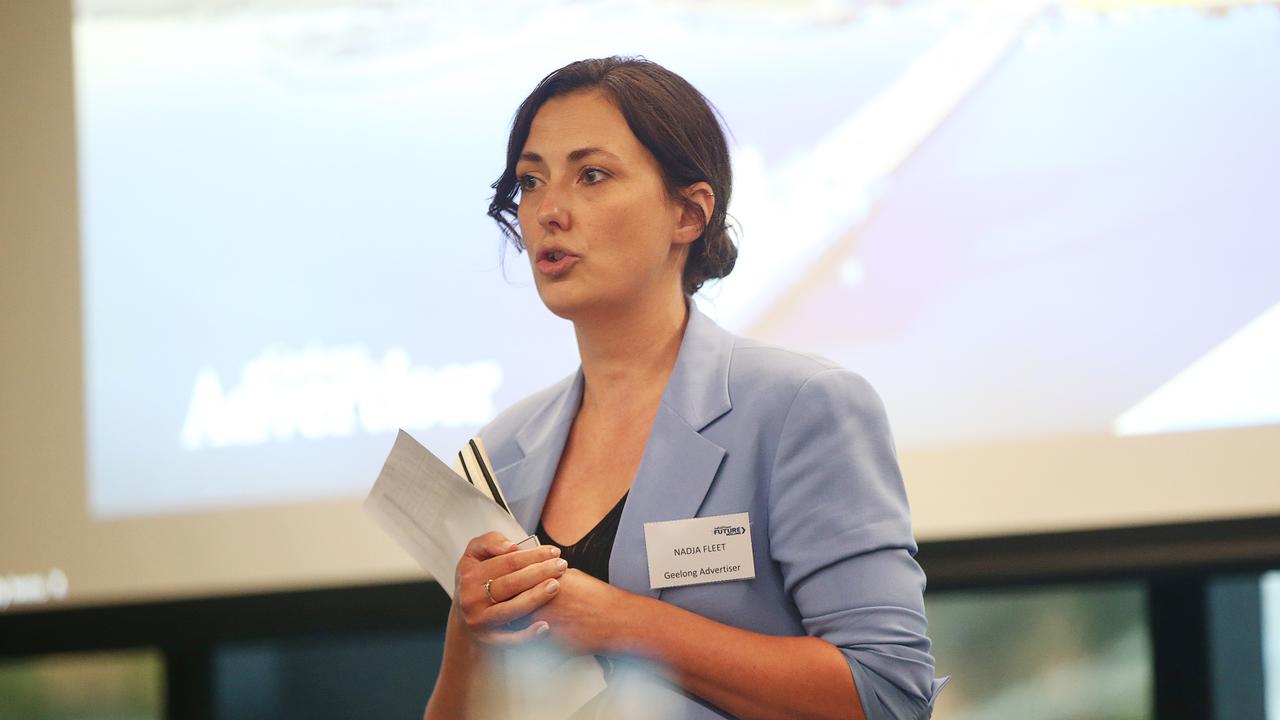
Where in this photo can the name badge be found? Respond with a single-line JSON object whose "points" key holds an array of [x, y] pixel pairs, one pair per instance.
{"points": [[699, 550]]}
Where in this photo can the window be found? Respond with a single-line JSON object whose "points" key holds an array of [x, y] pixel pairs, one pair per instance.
{"points": [[1053, 653], [118, 685]]}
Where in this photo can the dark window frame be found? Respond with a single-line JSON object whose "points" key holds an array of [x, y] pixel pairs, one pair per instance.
{"points": [[1176, 561]]}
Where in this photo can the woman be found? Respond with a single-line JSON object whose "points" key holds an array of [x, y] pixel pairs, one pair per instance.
{"points": [[622, 176]]}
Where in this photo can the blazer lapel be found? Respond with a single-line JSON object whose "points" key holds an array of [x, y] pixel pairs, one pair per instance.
{"points": [[679, 464], [673, 479], [527, 481]]}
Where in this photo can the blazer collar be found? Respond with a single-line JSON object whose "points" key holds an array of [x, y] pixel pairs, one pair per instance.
{"points": [[541, 440], [678, 463], [698, 389]]}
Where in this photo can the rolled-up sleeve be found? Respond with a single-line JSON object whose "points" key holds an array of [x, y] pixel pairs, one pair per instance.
{"points": [[840, 530]]}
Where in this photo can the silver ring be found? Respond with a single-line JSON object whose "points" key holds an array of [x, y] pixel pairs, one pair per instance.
{"points": [[489, 593]]}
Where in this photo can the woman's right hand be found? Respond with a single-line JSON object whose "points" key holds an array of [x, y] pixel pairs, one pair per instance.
{"points": [[520, 581]]}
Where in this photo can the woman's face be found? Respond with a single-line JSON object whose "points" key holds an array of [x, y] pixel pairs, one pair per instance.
{"points": [[598, 225]]}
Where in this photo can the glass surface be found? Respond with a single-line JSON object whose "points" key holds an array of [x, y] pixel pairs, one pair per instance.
{"points": [[83, 686], [1043, 654], [1271, 641], [373, 675]]}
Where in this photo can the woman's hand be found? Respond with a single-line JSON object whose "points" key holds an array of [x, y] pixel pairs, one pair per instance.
{"points": [[519, 582], [585, 614]]}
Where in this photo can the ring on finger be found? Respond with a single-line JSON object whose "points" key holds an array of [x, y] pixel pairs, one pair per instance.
{"points": [[488, 592]]}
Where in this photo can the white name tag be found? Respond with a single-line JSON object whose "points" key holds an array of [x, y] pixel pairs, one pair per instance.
{"points": [[699, 550]]}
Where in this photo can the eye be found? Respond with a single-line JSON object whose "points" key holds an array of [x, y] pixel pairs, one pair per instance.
{"points": [[593, 176], [527, 183]]}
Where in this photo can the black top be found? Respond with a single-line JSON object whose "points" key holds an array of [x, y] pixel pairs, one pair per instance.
{"points": [[591, 553]]}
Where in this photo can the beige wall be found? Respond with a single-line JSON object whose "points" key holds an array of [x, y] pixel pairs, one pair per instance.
{"points": [[1048, 485], [1094, 481]]}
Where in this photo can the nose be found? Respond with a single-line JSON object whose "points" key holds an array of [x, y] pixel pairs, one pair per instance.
{"points": [[552, 212]]}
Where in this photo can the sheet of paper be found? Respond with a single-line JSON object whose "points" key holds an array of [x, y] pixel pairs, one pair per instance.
{"points": [[433, 512], [430, 511]]}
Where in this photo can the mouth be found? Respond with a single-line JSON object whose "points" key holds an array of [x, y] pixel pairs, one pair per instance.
{"points": [[555, 262]]}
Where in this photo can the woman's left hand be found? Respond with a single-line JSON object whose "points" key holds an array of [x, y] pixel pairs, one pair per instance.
{"points": [[585, 614]]}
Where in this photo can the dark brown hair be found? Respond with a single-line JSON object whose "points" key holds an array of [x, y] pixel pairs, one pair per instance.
{"points": [[671, 119]]}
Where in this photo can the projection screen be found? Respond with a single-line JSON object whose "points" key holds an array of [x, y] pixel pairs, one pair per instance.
{"points": [[256, 245]]}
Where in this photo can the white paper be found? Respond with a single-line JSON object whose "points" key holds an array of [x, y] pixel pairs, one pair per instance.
{"points": [[433, 513], [430, 511]]}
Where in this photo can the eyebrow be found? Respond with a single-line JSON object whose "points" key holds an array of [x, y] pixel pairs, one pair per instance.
{"points": [[573, 156]]}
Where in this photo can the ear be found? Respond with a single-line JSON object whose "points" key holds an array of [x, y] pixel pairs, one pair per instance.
{"points": [[690, 224]]}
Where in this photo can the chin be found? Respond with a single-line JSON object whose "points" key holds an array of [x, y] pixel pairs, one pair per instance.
{"points": [[574, 302], [562, 301]]}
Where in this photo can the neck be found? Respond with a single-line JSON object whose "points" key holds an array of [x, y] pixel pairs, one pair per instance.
{"points": [[628, 355]]}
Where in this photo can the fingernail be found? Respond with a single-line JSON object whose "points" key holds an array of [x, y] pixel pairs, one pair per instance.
{"points": [[552, 587], [553, 550], [542, 629], [561, 564]]}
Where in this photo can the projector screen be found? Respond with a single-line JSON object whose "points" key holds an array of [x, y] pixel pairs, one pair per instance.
{"points": [[1045, 232]]}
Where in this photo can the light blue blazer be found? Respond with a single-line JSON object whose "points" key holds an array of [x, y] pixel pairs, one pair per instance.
{"points": [[800, 444]]}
